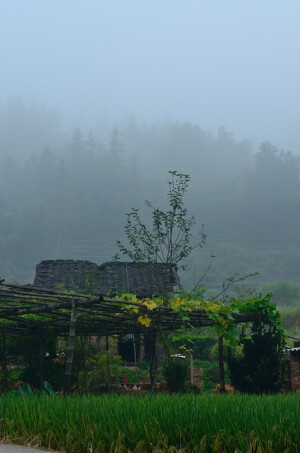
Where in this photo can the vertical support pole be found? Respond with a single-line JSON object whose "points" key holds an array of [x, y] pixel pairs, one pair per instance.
{"points": [[70, 352], [41, 362], [221, 363], [153, 362], [107, 360], [192, 368], [4, 384], [135, 356]]}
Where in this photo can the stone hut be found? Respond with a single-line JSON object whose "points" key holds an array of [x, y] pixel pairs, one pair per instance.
{"points": [[142, 279]]}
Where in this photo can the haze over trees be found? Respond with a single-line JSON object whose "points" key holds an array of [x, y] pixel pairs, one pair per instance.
{"points": [[64, 194], [74, 158]]}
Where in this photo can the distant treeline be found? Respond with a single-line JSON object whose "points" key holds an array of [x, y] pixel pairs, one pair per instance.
{"points": [[65, 195]]}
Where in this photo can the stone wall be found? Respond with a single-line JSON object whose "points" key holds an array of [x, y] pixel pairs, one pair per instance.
{"points": [[142, 279], [70, 274]]}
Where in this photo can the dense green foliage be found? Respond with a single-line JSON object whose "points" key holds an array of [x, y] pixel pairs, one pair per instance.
{"points": [[31, 359], [211, 374], [175, 374], [260, 368], [162, 423]]}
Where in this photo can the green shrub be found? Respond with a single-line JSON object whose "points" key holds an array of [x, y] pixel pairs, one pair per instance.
{"points": [[102, 366], [260, 369], [144, 365], [211, 373], [175, 374]]}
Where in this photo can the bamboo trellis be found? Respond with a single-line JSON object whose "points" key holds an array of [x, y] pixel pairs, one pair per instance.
{"points": [[27, 310]]}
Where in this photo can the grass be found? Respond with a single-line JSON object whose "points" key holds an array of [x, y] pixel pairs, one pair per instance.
{"points": [[154, 423]]}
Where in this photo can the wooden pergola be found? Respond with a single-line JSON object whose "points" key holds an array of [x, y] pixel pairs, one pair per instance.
{"points": [[27, 310]]}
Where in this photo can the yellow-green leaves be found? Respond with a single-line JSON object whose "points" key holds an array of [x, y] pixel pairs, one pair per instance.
{"points": [[145, 320], [177, 303], [149, 303], [221, 314]]}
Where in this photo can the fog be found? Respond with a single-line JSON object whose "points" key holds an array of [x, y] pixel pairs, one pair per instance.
{"points": [[99, 100], [214, 63]]}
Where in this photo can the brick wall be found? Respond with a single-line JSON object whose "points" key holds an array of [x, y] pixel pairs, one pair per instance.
{"points": [[295, 371], [295, 368], [292, 377], [197, 377]]}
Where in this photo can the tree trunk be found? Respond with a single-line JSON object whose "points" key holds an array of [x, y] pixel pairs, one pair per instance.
{"points": [[70, 351], [221, 364]]}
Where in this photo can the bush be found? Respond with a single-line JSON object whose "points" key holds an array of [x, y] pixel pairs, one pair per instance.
{"points": [[102, 366], [260, 369], [211, 373], [175, 375]]}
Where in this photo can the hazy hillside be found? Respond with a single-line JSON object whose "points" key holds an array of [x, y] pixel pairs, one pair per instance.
{"points": [[68, 197]]}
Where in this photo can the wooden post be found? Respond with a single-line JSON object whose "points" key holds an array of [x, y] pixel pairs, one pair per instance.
{"points": [[221, 363], [70, 352], [4, 383], [153, 362], [192, 369], [41, 362], [107, 360]]}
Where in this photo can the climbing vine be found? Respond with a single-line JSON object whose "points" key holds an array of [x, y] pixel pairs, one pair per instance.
{"points": [[222, 314]]}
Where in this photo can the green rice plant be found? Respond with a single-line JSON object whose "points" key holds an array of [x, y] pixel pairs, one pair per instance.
{"points": [[154, 423]]}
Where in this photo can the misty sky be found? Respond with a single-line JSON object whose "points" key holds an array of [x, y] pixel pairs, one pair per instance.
{"points": [[213, 62]]}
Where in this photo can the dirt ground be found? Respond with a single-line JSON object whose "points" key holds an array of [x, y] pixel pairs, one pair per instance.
{"points": [[12, 448]]}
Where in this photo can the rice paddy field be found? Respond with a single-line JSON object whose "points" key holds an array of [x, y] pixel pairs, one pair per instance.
{"points": [[153, 423]]}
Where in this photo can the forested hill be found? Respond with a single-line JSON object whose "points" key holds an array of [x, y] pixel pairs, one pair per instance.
{"points": [[65, 195]]}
